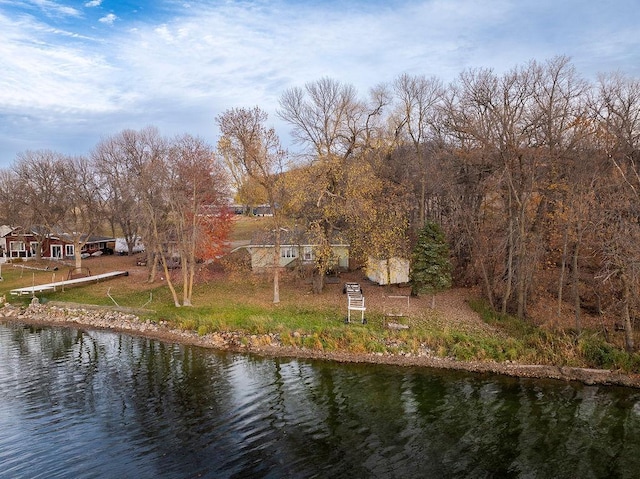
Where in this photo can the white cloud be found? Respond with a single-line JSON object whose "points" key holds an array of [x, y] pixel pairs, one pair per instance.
{"points": [[45, 75], [51, 7], [108, 19], [93, 3], [180, 72]]}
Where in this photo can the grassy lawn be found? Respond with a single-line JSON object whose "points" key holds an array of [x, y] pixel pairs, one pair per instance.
{"points": [[243, 303], [245, 226]]}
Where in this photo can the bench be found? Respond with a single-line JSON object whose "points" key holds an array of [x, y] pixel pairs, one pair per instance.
{"points": [[396, 306], [352, 288], [75, 273]]}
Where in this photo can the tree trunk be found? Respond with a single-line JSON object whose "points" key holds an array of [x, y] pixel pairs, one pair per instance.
{"points": [[78, 254], [507, 288], [167, 275], [522, 262], [487, 283], [317, 281], [187, 267], [626, 316], [423, 199], [563, 267], [152, 260], [276, 265], [576, 287]]}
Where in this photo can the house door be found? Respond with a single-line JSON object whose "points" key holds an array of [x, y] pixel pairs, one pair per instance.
{"points": [[56, 251]]}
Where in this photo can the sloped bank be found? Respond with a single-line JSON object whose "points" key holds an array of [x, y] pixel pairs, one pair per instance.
{"points": [[126, 321]]}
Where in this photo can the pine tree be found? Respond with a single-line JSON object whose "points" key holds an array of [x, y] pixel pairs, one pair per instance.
{"points": [[430, 265]]}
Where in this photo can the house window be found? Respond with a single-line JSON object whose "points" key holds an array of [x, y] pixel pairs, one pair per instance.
{"points": [[69, 250], [307, 253], [17, 249], [287, 252], [35, 248]]}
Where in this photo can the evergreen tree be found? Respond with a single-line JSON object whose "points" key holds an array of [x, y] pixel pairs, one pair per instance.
{"points": [[430, 265]]}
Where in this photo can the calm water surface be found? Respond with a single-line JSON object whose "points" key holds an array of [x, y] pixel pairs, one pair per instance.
{"points": [[86, 404]]}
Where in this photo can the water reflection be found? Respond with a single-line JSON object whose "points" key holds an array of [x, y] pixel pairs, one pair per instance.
{"points": [[97, 404]]}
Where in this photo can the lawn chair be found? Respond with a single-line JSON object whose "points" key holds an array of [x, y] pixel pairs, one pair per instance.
{"points": [[355, 302]]}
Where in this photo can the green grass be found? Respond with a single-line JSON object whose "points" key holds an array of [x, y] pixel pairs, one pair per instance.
{"points": [[530, 344], [245, 226], [245, 306]]}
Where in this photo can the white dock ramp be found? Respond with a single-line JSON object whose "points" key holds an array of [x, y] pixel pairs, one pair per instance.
{"points": [[31, 290]]}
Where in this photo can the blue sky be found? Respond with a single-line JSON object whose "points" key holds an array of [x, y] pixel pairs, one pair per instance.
{"points": [[72, 72]]}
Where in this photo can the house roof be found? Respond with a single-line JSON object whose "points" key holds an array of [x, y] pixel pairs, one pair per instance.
{"points": [[85, 239], [290, 237], [5, 230], [40, 231]]}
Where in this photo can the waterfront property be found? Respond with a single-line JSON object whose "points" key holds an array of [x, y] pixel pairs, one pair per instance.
{"points": [[297, 248], [33, 243], [100, 404]]}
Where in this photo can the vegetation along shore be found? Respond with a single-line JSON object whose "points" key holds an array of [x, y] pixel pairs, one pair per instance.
{"points": [[519, 189], [458, 333]]}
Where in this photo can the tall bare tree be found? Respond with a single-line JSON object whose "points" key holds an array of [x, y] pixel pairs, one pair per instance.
{"points": [[417, 113], [36, 186], [145, 153], [617, 110], [117, 160], [560, 127], [198, 198], [60, 194], [338, 129], [254, 151], [84, 213]]}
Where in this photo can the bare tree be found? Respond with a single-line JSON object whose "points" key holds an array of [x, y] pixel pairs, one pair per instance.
{"points": [[60, 195], [560, 128], [617, 110], [117, 160], [83, 203], [254, 151], [36, 188], [198, 196], [145, 154], [491, 118], [339, 129], [417, 113]]}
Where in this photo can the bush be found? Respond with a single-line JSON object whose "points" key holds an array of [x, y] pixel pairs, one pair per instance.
{"points": [[601, 354]]}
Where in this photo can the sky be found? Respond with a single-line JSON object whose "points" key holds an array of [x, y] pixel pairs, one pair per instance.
{"points": [[75, 72]]}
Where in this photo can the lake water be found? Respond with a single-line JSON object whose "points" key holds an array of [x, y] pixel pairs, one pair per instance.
{"points": [[88, 404]]}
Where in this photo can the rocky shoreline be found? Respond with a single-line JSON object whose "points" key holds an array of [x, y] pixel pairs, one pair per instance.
{"points": [[126, 321]]}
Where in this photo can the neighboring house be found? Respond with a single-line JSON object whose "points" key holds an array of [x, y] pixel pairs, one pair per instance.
{"points": [[122, 248], [98, 244], [21, 244], [295, 249], [395, 272], [259, 210], [4, 232]]}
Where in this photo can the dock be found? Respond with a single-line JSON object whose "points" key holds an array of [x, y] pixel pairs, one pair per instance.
{"points": [[32, 290]]}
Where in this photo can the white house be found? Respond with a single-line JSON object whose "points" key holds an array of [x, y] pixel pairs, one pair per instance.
{"points": [[296, 248]]}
